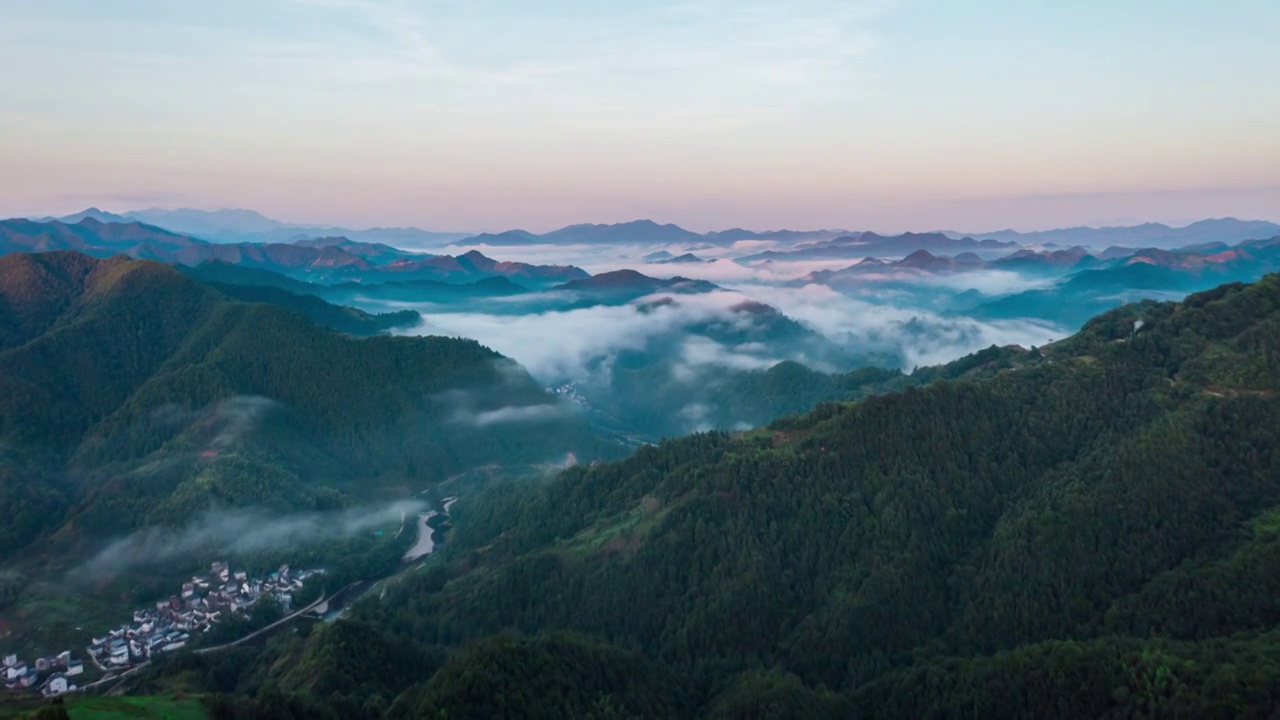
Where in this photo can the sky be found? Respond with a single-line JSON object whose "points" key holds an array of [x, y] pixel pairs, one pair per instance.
{"points": [[884, 115]]}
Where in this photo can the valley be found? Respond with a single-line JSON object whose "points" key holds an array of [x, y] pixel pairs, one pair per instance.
{"points": [[291, 414]]}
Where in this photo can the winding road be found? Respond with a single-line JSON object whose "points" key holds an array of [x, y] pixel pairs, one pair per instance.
{"points": [[416, 552], [114, 678], [323, 597]]}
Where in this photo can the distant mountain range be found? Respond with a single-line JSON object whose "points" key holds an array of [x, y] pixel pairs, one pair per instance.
{"points": [[637, 232], [93, 212], [91, 236], [925, 263], [918, 262], [239, 225], [1080, 284], [336, 268], [1226, 230], [504, 239], [630, 233], [836, 244], [631, 282], [809, 244], [685, 259], [1150, 273], [496, 295], [333, 259], [202, 223], [869, 244], [1247, 259], [728, 237]]}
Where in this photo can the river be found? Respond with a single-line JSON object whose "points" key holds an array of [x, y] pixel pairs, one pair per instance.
{"points": [[425, 544]]}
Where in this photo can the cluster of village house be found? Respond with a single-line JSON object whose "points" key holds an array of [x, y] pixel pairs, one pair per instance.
{"points": [[167, 626], [57, 672], [570, 392]]}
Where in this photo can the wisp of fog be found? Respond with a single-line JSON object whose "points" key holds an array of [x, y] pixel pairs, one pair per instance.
{"points": [[231, 532]]}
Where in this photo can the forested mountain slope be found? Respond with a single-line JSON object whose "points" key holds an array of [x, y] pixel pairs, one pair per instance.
{"points": [[1087, 529], [349, 320], [131, 394], [335, 259]]}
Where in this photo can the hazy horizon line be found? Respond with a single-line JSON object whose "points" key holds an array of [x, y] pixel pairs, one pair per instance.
{"points": [[1120, 222]]}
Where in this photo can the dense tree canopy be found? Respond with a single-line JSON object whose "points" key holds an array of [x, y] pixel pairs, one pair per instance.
{"points": [[1087, 529], [1111, 489], [131, 394]]}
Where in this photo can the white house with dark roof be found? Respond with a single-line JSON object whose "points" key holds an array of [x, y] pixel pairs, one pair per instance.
{"points": [[119, 652], [57, 685]]}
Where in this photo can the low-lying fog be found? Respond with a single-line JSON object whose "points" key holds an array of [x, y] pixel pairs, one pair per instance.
{"points": [[569, 345], [880, 318], [684, 343]]}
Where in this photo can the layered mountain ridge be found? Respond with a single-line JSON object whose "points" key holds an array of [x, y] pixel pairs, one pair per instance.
{"points": [[332, 259], [93, 352], [238, 225], [1086, 528]]}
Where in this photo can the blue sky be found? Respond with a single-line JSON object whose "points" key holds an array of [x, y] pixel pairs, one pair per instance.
{"points": [[487, 114]]}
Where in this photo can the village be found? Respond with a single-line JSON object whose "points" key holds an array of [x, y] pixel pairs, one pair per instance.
{"points": [[168, 625], [56, 673]]}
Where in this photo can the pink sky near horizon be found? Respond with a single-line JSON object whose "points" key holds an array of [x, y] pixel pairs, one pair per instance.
{"points": [[885, 115]]}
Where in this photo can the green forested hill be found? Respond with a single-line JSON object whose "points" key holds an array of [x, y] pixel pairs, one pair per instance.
{"points": [[131, 394], [343, 319], [1088, 529]]}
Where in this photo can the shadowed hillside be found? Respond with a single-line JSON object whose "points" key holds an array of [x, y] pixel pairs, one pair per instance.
{"points": [[126, 386], [1111, 489]]}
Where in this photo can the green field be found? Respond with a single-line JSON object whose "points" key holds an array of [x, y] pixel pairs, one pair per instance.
{"points": [[117, 708], [152, 708]]}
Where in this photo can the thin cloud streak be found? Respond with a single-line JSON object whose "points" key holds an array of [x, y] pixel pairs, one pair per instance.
{"points": [[804, 51]]}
